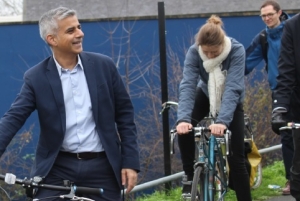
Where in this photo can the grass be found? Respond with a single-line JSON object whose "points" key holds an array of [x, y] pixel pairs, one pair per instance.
{"points": [[272, 174]]}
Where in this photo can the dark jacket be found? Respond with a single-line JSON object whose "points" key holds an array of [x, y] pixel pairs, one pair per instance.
{"points": [[254, 54], [287, 92], [111, 107]]}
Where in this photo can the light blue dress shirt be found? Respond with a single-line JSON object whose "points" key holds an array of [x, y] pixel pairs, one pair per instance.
{"points": [[81, 134]]}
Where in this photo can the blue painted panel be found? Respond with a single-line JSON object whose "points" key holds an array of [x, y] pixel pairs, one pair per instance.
{"points": [[133, 45]]}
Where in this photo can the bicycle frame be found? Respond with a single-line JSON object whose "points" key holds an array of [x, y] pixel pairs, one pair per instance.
{"points": [[211, 156], [216, 151]]}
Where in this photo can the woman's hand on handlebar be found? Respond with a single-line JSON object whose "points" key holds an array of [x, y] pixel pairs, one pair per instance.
{"points": [[183, 128], [217, 129]]}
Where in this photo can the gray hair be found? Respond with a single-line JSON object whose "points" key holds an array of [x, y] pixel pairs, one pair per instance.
{"points": [[48, 21]]}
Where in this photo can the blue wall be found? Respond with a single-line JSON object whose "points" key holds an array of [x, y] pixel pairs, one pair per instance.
{"points": [[21, 47]]}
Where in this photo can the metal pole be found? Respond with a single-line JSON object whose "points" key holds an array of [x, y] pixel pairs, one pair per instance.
{"points": [[164, 90], [268, 149], [179, 175]]}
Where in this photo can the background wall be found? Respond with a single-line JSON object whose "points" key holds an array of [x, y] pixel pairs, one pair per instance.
{"points": [[101, 9], [133, 45], [127, 31]]}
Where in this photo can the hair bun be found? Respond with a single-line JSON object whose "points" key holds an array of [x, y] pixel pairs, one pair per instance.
{"points": [[215, 20]]}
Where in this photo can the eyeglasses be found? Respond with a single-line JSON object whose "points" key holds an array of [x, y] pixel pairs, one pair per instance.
{"points": [[269, 15]]}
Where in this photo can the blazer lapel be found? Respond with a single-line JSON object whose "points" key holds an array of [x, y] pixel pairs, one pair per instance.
{"points": [[55, 82], [90, 75]]}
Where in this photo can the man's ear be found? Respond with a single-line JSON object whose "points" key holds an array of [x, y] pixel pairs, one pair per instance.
{"points": [[51, 40], [279, 12]]}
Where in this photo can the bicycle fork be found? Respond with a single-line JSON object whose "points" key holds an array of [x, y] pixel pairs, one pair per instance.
{"points": [[211, 158], [209, 168]]}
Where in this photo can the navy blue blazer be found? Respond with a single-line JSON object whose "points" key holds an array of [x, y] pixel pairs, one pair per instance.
{"points": [[111, 105]]}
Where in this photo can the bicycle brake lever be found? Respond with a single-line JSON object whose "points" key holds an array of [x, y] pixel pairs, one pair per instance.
{"points": [[167, 105], [226, 143], [172, 150], [227, 138], [164, 107], [76, 198]]}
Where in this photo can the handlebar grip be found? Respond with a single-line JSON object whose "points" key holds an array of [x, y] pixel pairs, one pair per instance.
{"points": [[87, 190], [10, 178]]}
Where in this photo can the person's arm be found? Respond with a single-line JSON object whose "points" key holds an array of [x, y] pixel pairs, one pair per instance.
{"points": [[286, 78], [124, 119], [16, 116], [188, 84], [253, 55], [234, 85]]}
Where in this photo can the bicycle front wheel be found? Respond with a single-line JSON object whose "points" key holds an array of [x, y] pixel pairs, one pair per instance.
{"points": [[197, 193]]}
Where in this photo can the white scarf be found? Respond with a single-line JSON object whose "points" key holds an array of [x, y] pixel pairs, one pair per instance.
{"points": [[216, 80]]}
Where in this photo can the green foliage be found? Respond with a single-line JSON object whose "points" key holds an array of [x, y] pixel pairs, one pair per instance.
{"points": [[272, 174], [258, 106], [158, 195]]}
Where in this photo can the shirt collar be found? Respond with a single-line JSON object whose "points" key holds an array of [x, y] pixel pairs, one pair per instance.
{"points": [[60, 68]]}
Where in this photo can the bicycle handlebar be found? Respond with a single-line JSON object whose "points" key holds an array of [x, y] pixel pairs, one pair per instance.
{"points": [[167, 105], [205, 129], [35, 183], [290, 125], [200, 129], [87, 190], [226, 136]]}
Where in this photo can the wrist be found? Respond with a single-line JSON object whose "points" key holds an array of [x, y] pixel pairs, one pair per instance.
{"points": [[219, 122], [180, 121]]}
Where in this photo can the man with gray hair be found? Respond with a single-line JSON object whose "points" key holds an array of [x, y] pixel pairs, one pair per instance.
{"points": [[87, 129]]}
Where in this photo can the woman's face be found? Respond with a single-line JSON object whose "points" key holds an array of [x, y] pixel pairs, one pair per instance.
{"points": [[212, 51]]}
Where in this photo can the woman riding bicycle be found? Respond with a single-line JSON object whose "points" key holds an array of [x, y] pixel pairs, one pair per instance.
{"points": [[219, 61]]}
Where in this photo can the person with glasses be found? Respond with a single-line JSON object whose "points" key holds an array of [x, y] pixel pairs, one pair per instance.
{"points": [[266, 46]]}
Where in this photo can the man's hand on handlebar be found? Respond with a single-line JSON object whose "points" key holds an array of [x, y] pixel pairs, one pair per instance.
{"points": [[217, 129], [183, 128]]}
